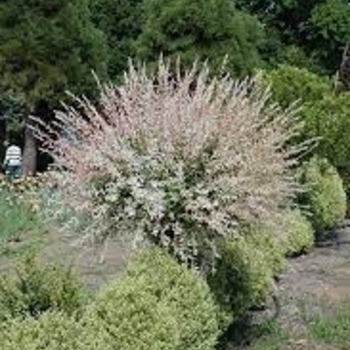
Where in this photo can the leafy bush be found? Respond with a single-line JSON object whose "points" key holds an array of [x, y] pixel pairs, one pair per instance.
{"points": [[324, 112], [326, 198], [290, 84], [158, 304], [36, 288], [328, 118], [245, 272], [51, 331], [187, 295], [127, 317], [298, 230], [158, 159]]}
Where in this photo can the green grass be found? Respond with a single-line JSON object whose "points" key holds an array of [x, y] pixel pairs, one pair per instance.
{"points": [[333, 329], [271, 337], [21, 230], [329, 327]]}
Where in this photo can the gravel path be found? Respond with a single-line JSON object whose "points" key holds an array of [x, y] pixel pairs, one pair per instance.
{"points": [[315, 282]]}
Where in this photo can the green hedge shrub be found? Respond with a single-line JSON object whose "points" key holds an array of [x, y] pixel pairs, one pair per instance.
{"points": [[159, 304], [326, 197], [324, 112], [289, 84], [299, 234], [51, 331], [37, 288], [127, 316], [245, 273]]}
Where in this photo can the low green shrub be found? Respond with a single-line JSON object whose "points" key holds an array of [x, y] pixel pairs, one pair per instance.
{"points": [[51, 331], [245, 273], [36, 288], [127, 316], [159, 304], [187, 295], [326, 197], [299, 234]]}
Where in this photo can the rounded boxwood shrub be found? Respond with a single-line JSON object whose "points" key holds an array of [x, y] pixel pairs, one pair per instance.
{"points": [[51, 331], [127, 316], [245, 273], [158, 304], [36, 288], [299, 234], [326, 197]]}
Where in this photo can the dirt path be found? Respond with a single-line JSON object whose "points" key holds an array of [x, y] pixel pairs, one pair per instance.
{"points": [[94, 266], [323, 276]]}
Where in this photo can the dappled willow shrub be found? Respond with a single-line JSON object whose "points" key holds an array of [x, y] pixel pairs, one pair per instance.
{"points": [[176, 159]]}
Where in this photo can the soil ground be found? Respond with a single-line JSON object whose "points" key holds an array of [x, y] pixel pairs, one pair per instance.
{"points": [[311, 285]]}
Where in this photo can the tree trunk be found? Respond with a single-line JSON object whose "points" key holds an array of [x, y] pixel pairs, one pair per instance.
{"points": [[2, 138], [29, 153]]}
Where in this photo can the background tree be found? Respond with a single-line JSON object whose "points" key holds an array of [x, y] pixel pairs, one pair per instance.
{"points": [[121, 21], [203, 29], [309, 34], [47, 47], [330, 32], [12, 113]]}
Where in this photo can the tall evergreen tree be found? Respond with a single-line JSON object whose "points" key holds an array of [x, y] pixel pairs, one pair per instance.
{"points": [[311, 33], [204, 29], [121, 22], [46, 48]]}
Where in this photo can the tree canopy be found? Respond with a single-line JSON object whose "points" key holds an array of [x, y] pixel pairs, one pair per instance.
{"points": [[47, 47], [203, 29]]}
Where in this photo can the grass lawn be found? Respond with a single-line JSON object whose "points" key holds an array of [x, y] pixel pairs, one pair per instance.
{"points": [[21, 229], [328, 329]]}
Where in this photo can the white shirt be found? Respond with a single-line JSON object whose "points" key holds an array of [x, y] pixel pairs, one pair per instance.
{"points": [[13, 156]]}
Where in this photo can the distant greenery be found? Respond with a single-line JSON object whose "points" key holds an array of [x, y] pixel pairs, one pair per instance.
{"points": [[100, 35], [120, 21]]}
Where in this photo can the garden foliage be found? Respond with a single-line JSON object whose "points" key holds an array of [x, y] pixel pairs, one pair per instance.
{"points": [[326, 197], [158, 304], [51, 331], [35, 289], [299, 233], [324, 112]]}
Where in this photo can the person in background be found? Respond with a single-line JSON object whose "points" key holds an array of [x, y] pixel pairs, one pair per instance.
{"points": [[13, 161]]}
